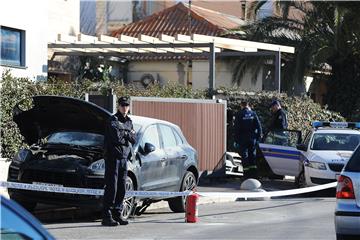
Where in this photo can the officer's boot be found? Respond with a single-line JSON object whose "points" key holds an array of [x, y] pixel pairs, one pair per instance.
{"points": [[108, 219], [117, 217]]}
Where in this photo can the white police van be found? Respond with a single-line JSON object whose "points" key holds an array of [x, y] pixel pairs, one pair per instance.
{"points": [[319, 159]]}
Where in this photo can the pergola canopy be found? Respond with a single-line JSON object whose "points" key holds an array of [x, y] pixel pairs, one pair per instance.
{"points": [[195, 43], [165, 45]]}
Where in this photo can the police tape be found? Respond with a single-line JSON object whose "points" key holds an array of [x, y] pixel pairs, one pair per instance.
{"points": [[163, 194], [87, 191], [264, 194]]}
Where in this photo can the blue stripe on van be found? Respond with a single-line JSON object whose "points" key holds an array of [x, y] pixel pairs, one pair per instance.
{"points": [[277, 150], [281, 153], [282, 156]]}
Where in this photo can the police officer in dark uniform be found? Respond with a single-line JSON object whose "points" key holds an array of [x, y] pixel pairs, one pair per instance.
{"points": [[279, 119], [248, 132], [278, 123], [119, 137]]}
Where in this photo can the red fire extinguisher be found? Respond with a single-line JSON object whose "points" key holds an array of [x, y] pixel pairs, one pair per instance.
{"points": [[191, 208]]}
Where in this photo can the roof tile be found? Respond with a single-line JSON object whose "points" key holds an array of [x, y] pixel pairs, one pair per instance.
{"points": [[175, 20]]}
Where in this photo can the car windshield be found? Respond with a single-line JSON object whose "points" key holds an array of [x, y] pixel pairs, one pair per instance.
{"points": [[335, 141], [137, 127], [76, 138]]}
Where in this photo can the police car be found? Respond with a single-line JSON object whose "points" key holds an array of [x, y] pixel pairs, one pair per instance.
{"points": [[319, 159]]}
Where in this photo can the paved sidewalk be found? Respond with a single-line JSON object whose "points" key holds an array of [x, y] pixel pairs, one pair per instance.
{"points": [[231, 185]]}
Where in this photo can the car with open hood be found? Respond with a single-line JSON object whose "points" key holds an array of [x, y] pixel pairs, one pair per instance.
{"points": [[65, 138]]}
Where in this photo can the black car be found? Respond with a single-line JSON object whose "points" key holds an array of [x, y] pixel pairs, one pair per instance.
{"points": [[65, 136]]}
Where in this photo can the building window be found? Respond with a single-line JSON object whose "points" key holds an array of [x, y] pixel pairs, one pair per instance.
{"points": [[12, 47]]}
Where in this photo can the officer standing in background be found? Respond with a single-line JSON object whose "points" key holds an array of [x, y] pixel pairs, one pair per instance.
{"points": [[119, 137], [247, 133], [278, 120], [278, 124]]}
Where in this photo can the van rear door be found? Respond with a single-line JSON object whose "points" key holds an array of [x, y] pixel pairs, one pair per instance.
{"points": [[279, 150]]}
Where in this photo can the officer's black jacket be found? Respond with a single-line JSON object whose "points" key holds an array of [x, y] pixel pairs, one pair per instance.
{"points": [[278, 121], [247, 126], [118, 135]]}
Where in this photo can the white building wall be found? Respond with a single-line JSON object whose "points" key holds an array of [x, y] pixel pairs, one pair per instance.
{"points": [[41, 20], [164, 72], [223, 76], [31, 17], [64, 17], [176, 72]]}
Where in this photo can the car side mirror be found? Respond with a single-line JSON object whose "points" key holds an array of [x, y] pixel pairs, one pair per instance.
{"points": [[148, 148], [301, 147]]}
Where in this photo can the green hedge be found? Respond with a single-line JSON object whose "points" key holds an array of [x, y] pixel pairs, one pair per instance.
{"points": [[301, 111]]}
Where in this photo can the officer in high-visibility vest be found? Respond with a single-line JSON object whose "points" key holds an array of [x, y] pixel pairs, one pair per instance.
{"points": [[248, 132]]}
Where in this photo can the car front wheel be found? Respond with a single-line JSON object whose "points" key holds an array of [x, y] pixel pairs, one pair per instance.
{"points": [[189, 183], [300, 180], [129, 202]]}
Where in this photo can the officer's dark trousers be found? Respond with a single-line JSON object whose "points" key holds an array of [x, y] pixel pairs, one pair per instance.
{"points": [[115, 179], [247, 151]]}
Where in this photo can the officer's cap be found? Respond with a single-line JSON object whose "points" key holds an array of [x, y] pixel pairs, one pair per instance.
{"points": [[244, 103], [275, 102], [124, 101]]}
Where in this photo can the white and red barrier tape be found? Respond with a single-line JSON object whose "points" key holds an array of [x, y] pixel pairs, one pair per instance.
{"points": [[163, 194]]}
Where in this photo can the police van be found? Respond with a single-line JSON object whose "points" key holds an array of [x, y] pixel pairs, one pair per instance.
{"points": [[318, 159]]}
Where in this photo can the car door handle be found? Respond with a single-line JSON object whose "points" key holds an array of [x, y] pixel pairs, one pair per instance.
{"points": [[163, 159], [183, 157]]}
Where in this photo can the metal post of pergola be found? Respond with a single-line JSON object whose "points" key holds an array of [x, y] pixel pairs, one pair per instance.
{"points": [[278, 69], [212, 79]]}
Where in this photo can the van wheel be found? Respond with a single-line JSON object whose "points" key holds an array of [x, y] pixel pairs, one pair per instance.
{"points": [[177, 204], [300, 181]]}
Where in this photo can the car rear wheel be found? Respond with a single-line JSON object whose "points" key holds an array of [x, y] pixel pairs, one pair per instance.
{"points": [[189, 183], [129, 202]]}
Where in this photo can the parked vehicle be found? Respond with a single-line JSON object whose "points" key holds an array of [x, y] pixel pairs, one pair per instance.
{"points": [[347, 211], [66, 138], [17, 223], [319, 159], [233, 164]]}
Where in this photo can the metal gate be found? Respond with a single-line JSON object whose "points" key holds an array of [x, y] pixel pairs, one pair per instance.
{"points": [[203, 123]]}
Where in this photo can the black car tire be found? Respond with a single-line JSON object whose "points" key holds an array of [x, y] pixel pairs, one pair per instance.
{"points": [[300, 181], [129, 202], [177, 204]]}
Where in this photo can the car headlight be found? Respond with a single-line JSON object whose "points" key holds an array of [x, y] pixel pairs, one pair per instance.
{"points": [[22, 156], [98, 167], [316, 165]]}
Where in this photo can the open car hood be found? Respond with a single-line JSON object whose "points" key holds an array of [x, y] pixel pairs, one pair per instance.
{"points": [[51, 114]]}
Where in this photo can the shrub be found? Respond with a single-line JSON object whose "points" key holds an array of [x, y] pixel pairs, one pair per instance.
{"points": [[301, 111]]}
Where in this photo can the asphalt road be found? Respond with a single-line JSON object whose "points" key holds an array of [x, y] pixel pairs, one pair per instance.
{"points": [[297, 218], [308, 217]]}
